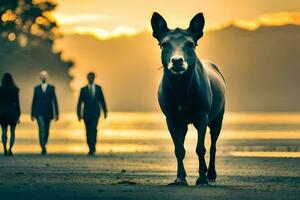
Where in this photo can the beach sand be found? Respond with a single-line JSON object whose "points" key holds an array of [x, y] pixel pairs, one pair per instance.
{"points": [[144, 176], [258, 157]]}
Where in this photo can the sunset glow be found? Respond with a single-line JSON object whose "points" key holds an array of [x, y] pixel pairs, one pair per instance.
{"points": [[274, 19], [72, 24], [104, 34], [106, 19]]}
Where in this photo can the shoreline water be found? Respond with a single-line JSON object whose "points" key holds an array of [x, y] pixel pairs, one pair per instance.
{"points": [[243, 134]]}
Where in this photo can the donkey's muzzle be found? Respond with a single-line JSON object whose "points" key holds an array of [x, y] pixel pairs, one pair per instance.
{"points": [[177, 65], [177, 69], [177, 62]]}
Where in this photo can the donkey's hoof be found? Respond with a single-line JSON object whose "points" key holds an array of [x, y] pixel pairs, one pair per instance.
{"points": [[202, 180], [179, 182], [212, 175]]}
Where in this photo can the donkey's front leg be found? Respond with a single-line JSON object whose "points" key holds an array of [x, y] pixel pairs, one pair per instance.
{"points": [[178, 132], [201, 125]]}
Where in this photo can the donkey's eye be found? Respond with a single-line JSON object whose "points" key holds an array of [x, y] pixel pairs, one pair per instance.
{"points": [[190, 44], [163, 45]]}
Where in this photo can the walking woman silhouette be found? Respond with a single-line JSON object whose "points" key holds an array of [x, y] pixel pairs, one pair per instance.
{"points": [[9, 110]]}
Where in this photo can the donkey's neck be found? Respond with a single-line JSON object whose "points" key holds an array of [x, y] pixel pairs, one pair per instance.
{"points": [[178, 82], [180, 86]]}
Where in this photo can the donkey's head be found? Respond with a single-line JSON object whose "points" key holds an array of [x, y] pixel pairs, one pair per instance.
{"points": [[178, 45]]}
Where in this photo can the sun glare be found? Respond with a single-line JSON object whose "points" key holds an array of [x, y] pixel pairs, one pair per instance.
{"points": [[103, 33]]}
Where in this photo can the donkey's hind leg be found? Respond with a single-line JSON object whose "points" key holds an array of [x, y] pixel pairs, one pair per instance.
{"points": [[215, 129]]}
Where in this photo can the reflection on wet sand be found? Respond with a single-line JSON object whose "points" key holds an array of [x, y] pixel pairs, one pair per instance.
{"points": [[265, 154]]}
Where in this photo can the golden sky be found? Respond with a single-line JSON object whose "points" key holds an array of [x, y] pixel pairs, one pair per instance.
{"points": [[111, 18], [108, 18]]}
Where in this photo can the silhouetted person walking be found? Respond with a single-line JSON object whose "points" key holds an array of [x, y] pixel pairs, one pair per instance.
{"points": [[9, 110], [44, 108], [91, 98]]}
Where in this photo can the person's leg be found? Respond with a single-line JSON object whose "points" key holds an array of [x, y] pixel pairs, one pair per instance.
{"points": [[12, 138], [41, 125], [94, 133], [47, 129], [4, 137], [87, 123]]}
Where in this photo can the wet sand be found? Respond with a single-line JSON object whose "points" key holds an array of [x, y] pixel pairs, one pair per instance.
{"points": [[144, 176], [136, 160]]}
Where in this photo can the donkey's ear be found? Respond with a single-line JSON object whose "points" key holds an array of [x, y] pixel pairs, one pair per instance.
{"points": [[159, 26], [196, 26]]}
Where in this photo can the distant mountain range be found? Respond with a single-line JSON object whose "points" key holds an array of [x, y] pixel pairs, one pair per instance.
{"points": [[261, 67]]}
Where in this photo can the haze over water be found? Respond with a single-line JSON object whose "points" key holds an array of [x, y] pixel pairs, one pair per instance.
{"points": [[244, 134]]}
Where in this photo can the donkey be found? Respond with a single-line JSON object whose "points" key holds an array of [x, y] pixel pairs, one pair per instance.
{"points": [[191, 92]]}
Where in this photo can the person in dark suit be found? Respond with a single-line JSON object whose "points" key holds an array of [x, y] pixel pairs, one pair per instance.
{"points": [[44, 109], [90, 99], [9, 110]]}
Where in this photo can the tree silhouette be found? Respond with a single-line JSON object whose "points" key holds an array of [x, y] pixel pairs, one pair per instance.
{"points": [[27, 35], [27, 20]]}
